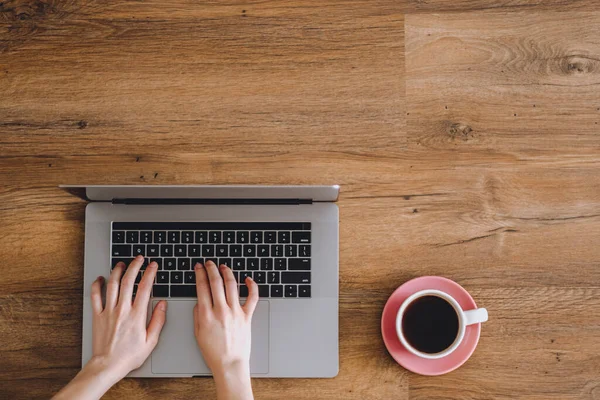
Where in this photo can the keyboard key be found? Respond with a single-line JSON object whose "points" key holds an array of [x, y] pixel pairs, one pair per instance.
{"points": [[260, 277], [214, 260], [183, 264], [263, 290], [300, 237], [229, 237], [299, 264], [256, 237], [138, 277], [162, 277], [262, 250], [239, 264], [194, 250], [132, 237], [283, 237], [121, 250], [160, 290], [214, 237], [295, 277], [291, 250], [166, 250], [115, 261], [144, 264], [201, 237], [243, 237], [222, 250], [235, 250], [243, 291], [170, 264], [139, 249], [252, 264], [291, 291], [208, 250], [145, 237], [276, 250], [304, 291], [187, 237], [225, 261], [236, 275], [273, 277], [189, 277], [249, 250], [244, 275], [152, 250], [270, 237], [183, 291], [176, 277], [160, 237], [280, 264], [266, 264], [174, 237], [158, 261], [304, 250], [197, 260], [135, 289], [118, 237], [181, 250], [276, 291]]}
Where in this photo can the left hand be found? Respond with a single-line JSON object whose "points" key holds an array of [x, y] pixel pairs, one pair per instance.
{"points": [[121, 340], [120, 337]]}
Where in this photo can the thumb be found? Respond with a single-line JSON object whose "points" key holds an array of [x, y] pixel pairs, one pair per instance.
{"points": [[159, 316]]}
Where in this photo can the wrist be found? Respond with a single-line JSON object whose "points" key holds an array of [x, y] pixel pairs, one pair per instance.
{"points": [[102, 370], [233, 381]]}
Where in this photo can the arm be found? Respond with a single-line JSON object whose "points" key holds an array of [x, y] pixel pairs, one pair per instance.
{"points": [[121, 340], [222, 329]]}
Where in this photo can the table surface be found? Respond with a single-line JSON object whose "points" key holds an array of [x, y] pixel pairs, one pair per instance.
{"points": [[464, 134]]}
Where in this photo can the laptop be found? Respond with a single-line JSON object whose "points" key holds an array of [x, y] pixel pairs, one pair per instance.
{"points": [[284, 237]]}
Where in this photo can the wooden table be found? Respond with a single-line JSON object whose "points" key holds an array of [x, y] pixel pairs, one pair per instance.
{"points": [[464, 134]]}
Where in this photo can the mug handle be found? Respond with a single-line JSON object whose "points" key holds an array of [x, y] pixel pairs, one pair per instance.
{"points": [[476, 316]]}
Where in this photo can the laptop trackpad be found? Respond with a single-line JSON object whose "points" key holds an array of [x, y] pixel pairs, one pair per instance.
{"points": [[177, 351]]}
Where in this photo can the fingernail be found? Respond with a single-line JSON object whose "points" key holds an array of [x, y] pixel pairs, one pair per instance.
{"points": [[140, 258], [153, 264], [162, 306], [210, 262], [250, 278], [197, 266], [120, 264], [100, 278]]}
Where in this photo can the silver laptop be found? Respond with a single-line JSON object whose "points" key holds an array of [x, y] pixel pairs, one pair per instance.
{"points": [[285, 237]]}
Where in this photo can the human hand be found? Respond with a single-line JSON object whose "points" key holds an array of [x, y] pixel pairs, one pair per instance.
{"points": [[223, 329], [120, 337], [121, 341]]}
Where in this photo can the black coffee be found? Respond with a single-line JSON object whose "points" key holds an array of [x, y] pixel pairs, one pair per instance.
{"points": [[430, 324]]}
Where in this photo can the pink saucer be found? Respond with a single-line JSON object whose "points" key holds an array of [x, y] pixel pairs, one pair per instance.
{"points": [[410, 361]]}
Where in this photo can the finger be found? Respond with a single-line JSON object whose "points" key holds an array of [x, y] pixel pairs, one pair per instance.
{"points": [[112, 288], [252, 299], [159, 316], [96, 295], [145, 287], [128, 280], [203, 288], [216, 284], [231, 289]]}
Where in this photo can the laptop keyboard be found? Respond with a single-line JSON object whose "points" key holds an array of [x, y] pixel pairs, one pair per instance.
{"points": [[277, 255]]}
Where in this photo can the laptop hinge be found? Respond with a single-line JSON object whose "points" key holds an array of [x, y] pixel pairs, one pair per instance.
{"points": [[212, 201]]}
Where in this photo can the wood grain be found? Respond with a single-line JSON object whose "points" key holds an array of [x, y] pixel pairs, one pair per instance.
{"points": [[301, 92]]}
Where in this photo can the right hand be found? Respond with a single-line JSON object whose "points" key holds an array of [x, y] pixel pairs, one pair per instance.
{"points": [[221, 324]]}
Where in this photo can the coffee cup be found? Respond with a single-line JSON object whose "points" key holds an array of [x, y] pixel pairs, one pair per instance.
{"points": [[431, 324]]}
